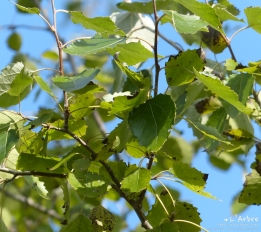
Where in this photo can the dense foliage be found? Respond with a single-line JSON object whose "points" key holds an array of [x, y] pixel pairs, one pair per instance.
{"points": [[64, 164]]}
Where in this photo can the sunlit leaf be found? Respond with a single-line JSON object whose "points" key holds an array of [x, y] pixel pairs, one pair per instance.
{"points": [[187, 24], [103, 25], [75, 82], [93, 45], [253, 15]]}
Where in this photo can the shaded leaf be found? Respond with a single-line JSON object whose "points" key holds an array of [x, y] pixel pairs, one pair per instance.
{"points": [[166, 227], [78, 224], [224, 92], [102, 219], [30, 162], [14, 41], [89, 184], [252, 187], [9, 118], [151, 122]]}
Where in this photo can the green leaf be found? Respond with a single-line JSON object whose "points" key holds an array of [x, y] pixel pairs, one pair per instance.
{"points": [[75, 82], [92, 46], [252, 187], [131, 53], [3, 227], [134, 149], [224, 14], [80, 105], [177, 210], [90, 88], [137, 180], [224, 92], [193, 91], [89, 184], [64, 159], [37, 185], [191, 177], [127, 103], [7, 141], [209, 131], [166, 227], [31, 162], [204, 11], [253, 15], [230, 7], [102, 219], [136, 25], [9, 118], [231, 64], [43, 85], [119, 169], [20, 83], [136, 78], [9, 74], [187, 24], [151, 122], [43, 117], [30, 10], [14, 41], [116, 141], [103, 25], [217, 120], [178, 149], [78, 127], [144, 7], [78, 224], [242, 85], [179, 69], [51, 55], [80, 165]]}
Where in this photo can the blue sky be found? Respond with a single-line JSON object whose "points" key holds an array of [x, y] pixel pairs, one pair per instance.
{"points": [[222, 184]]}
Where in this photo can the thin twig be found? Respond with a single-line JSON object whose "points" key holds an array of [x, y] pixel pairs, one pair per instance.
{"points": [[241, 29], [179, 220], [177, 46], [13, 27], [30, 173], [42, 69], [28, 201], [229, 47]]}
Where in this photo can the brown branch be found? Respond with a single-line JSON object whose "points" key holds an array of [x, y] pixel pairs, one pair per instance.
{"points": [[28, 201], [137, 207], [30, 173]]}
